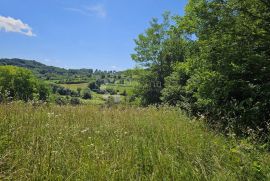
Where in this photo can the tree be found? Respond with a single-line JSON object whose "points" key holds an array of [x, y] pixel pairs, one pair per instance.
{"points": [[158, 49], [43, 92], [79, 90], [75, 101], [20, 84], [87, 95], [230, 71], [93, 86]]}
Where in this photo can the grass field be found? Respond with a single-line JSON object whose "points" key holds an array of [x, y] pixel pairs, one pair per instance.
{"points": [[75, 86], [120, 87], [119, 143]]}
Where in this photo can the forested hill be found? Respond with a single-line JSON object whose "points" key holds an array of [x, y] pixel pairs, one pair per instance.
{"points": [[50, 72], [33, 65]]}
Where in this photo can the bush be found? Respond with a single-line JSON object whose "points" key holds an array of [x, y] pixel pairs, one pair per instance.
{"points": [[75, 101], [93, 86], [124, 93], [64, 91], [111, 91], [60, 101], [1, 98], [110, 101], [101, 91], [43, 92], [87, 95]]}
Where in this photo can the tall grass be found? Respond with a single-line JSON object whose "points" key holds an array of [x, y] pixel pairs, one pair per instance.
{"points": [[120, 143]]}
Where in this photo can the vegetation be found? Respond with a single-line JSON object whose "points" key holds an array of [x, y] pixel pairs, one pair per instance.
{"points": [[56, 74], [119, 143], [214, 61], [69, 85], [195, 108], [20, 84]]}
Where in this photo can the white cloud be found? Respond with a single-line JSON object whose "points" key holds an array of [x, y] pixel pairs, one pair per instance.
{"points": [[77, 10], [95, 10], [9, 24], [98, 10]]}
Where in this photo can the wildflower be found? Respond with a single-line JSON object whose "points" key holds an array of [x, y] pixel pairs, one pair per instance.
{"points": [[50, 114], [85, 130]]}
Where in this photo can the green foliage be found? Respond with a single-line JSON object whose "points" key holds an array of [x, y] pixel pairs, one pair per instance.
{"points": [[149, 88], [20, 84], [58, 89], [214, 61], [175, 92], [75, 101], [157, 50], [79, 89], [93, 86], [87, 94], [61, 101], [43, 92], [232, 82], [110, 101]]}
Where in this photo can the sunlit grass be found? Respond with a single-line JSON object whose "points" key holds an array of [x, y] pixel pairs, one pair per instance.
{"points": [[119, 143], [129, 88], [75, 86]]}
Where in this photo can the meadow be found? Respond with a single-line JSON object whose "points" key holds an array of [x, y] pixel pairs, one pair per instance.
{"points": [[74, 87], [49, 142]]}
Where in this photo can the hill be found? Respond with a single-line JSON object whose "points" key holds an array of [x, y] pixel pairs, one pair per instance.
{"points": [[54, 73], [33, 65]]}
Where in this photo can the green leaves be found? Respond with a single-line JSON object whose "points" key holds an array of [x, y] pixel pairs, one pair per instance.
{"points": [[20, 84], [215, 61]]}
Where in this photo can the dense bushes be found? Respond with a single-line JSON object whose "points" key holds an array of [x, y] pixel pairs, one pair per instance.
{"points": [[20, 84], [93, 86], [87, 94], [75, 101], [220, 63], [61, 101], [57, 89]]}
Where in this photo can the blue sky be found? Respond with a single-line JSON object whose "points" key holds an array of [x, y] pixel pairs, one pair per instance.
{"points": [[78, 33]]}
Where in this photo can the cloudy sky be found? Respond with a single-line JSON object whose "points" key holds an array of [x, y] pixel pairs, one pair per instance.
{"points": [[77, 33]]}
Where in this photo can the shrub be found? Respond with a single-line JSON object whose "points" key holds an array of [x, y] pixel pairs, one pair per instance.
{"points": [[75, 101], [124, 93], [43, 92], [60, 101], [1, 98], [87, 95], [111, 91], [110, 101], [93, 86]]}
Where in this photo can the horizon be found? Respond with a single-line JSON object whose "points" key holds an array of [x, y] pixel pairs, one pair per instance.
{"points": [[74, 35]]}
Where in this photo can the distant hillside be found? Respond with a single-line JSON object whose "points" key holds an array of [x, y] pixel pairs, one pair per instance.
{"points": [[53, 73], [33, 65]]}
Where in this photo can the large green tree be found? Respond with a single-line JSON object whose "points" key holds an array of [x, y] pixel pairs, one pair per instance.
{"points": [[231, 83], [20, 84], [157, 51]]}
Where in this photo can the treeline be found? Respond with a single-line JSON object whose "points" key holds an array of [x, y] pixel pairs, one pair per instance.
{"points": [[213, 62], [45, 72]]}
